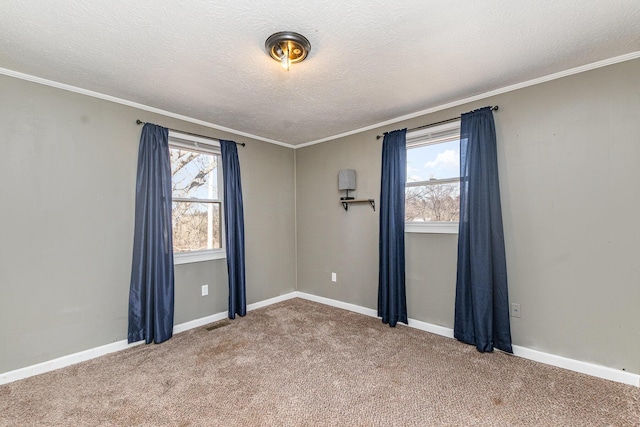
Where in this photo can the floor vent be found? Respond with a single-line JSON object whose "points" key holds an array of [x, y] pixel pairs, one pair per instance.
{"points": [[217, 325]]}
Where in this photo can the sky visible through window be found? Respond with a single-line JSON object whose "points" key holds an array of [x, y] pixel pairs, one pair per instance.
{"points": [[438, 161], [194, 175]]}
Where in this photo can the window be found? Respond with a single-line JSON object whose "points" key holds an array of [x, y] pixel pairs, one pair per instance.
{"points": [[196, 182], [432, 191]]}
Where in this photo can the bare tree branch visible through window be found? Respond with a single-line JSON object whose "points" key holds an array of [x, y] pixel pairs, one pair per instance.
{"points": [[196, 224], [437, 202]]}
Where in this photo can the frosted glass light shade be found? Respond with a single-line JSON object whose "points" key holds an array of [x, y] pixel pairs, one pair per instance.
{"points": [[347, 179]]}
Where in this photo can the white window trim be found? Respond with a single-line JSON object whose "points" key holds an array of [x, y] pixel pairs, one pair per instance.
{"points": [[430, 227], [198, 256], [433, 227], [192, 142], [422, 133]]}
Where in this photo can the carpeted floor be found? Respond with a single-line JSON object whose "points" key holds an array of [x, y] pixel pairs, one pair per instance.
{"points": [[299, 363]]}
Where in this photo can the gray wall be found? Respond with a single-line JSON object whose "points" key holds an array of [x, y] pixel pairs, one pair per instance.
{"points": [[568, 153], [67, 183]]}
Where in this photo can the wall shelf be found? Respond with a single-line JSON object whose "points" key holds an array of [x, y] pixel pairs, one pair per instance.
{"points": [[346, 203]]}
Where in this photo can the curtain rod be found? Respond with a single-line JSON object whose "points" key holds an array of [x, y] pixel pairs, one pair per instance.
{"points": [[493, 108], [140, 122]]}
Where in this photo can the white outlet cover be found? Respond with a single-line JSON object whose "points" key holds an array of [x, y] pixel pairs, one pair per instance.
{"points": [[205, 290], [334, 277]]}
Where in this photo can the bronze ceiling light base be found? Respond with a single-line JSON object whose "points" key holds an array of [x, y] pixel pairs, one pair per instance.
{"points": [[287, 48]]}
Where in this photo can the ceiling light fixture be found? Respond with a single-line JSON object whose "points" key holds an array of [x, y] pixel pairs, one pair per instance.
{"points": [[287, 48]]}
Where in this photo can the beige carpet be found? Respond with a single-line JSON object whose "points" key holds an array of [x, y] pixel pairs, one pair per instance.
{"points": [[299, 363]]}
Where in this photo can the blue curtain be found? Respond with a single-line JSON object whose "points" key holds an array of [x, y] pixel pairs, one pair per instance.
{"points": [[482, 303], [152, 288], [392, 301], [234, 228]]}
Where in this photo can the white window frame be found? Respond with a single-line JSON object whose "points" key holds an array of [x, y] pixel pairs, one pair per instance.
{"points": [[419, 138], [192, 142]]}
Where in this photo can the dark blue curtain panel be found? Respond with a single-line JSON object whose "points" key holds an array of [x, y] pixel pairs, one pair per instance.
{"points": [[482, 302], [151, 292], [234, 228], [392, 300]]}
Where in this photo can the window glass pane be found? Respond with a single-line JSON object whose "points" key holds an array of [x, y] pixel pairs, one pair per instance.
{"points": [[437, 202], [194, 175], [437, 161], [196, 226]]}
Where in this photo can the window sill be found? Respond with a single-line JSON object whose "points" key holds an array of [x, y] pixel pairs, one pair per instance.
{"points": [[431, 227], [198, 256]]}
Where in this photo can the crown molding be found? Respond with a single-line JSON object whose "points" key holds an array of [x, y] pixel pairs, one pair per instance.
{"points": [[554, 76], [137, 105], [550, 77]]}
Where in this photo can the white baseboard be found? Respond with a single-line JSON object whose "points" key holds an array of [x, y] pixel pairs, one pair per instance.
{"points": [[524, 352], [339, 304], [592, 369], [72, 359], [199, 322], [61, 362], [270, 301], [223, 315], [430, 327], [587, 368]]}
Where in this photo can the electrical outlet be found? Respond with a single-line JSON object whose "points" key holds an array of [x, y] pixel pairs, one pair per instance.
{"points": [[334, 277], [205, 290], [515, 310]]}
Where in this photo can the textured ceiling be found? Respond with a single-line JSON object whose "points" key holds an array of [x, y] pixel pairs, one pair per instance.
{"points": [[371, 60]]}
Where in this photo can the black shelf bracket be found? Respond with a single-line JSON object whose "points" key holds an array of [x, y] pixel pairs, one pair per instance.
{"points": [[346, 203]]}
